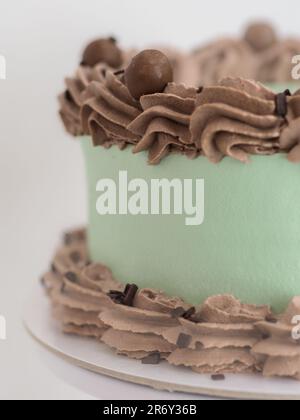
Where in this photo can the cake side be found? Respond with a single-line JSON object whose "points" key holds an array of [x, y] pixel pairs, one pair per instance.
{"points": [[247, 245]]}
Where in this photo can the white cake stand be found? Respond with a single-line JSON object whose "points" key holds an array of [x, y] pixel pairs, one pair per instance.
{"points": [[98, 358]]}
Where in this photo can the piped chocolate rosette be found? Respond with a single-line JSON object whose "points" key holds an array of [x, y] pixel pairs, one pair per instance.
{"points": [[99, 57], [236, 118], [77, 289], [221, 336], [109, 111], [164, 123], [280, 346], [142, 107]]}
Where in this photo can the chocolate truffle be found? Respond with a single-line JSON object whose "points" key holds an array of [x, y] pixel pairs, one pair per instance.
{"points": [[149, 72], [103, 51], [260, 36]]}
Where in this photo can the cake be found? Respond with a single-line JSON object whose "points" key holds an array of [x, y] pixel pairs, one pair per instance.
{"points": [[191, 249]]}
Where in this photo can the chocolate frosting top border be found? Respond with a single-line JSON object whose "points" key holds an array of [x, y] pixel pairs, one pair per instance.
{"points": [[234, 117]]}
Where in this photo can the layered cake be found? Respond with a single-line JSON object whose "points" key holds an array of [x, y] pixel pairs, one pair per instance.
{"points": [[191, 252]]}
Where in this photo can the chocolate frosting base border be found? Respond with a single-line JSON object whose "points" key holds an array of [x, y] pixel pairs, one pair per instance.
{"points": [[220, 336]]}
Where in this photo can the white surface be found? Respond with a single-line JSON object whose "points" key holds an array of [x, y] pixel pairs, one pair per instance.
{"points": [[96, 357], [41, 173]]}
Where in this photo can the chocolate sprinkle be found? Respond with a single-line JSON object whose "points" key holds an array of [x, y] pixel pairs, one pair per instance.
{"points": [[130, 292], [178, 312], [116, 296], [152, 359], [281, 103], [72, 277], [183, 313], [124, 298], [183, 341], [188, 315], [218, 377], [119, 72], [272, 319]]}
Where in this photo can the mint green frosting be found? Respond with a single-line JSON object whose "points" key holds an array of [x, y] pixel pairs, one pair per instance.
{"points": [[248, 245], [281, 87]]}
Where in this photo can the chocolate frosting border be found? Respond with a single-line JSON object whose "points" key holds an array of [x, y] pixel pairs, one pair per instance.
{"points": [[220, 336]]}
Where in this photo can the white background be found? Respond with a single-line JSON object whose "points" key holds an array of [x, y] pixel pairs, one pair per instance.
{"points": [[41, 172]]}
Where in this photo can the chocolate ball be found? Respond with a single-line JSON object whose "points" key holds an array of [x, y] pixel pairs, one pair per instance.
{"points": [[103, 51], [260, 36], [149, 72]]}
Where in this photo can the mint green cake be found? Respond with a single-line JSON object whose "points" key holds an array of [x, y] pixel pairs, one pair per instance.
{"points": [[191, 252], [248, 244]]}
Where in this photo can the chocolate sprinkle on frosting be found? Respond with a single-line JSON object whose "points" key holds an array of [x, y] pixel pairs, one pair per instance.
{"points": [[152, 359], [281, 103], [178, 312], [116, 296], [124, 298], [184, 340], [130, 292], [272, 319]]}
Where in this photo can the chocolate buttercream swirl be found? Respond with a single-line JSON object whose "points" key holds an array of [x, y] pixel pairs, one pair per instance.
{"points": [[226, 309], [73, 98], [236, 118], [224, 58], [157, 301], [109, 111], [280, 348], [164, 123]]}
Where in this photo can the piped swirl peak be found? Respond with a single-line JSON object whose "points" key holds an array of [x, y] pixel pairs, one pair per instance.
{"points": [[164, 123], [236, 118], [109, 111]]}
